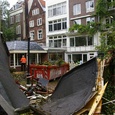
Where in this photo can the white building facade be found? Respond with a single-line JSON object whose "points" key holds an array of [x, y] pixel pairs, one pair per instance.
{"points": [[58, 37]]}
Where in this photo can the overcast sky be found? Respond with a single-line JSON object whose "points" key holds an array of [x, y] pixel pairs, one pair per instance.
{"points": [[12, 2]]}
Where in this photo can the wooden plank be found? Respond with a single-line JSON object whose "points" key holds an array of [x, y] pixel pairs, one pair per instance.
{"points": [[97, 100]]}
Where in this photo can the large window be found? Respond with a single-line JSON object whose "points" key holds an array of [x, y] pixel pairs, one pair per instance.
{"points": [[58, 25], [57, 9], [57, 41], [18, 29], [35, 11], [81, 41], [77, 9], [39, 34], [31, 23], [77, 58], [18, 18], [90, 6], [31, 35]]}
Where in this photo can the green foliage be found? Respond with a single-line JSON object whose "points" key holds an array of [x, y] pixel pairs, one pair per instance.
{"points": [[60, 62], [47, 63], [108, 109], [101, 8], [90, 29], [8, 31]]}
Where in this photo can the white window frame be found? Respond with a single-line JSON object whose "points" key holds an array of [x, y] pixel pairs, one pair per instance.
{"points": [[31, 23], [18, 18], [58, 41], [77, 9], [52, 24], [89, 7], [57, 9], [32, 34], [18, 29], [39, 21], [35, 11], [40, 34]]}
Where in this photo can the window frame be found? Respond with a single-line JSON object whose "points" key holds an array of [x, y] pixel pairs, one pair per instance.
{"points": [[39, 21], [35, 11], [31, 23], [18, 29], [88, 6], [32, 36], [76, 9], [40, 35]]}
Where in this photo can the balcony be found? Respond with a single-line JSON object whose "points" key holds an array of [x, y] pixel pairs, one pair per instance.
{"points": [[81, 48]]}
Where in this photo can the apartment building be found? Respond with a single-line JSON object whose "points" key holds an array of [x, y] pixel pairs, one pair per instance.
{"points": [[60, 16], [57, 24], [82, 47], [17, 19], [36, 18]]}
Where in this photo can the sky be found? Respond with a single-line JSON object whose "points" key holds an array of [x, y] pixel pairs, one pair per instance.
{"points": [[12, 2]]}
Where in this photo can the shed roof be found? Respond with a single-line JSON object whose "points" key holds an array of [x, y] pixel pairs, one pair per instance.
{"points": [[22, 46]]}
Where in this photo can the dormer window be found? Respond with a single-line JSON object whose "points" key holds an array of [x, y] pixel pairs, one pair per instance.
{"points": [[35, 11]]}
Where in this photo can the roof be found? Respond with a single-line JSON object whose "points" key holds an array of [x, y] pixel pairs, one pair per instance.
{"points": [[18, 4], [23, 46], [42, 2]]}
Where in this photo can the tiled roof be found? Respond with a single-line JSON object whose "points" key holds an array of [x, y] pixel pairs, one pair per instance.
{"points": [[23, 45], [42, 2]]}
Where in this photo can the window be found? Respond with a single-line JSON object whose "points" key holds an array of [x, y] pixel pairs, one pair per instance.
{"points": [[81, 41], [109, 20], [64, 23], [57, 41], [89, 41], [39, 21], [57, 25], [57, 9], [77, 9], [35, 11], [39, 34], [31, 35], [71, 42], [77, 21], [18, 18], [50, 43], [18, 29], [31, 23], [90, 6], [90, 19], [11, 20]]}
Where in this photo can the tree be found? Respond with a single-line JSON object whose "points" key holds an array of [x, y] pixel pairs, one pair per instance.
{"points": [[107, 46], [8, 31]]}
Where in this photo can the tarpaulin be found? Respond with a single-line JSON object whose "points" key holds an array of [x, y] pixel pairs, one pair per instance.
{"points": [[15, 96], [73, 91]]}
